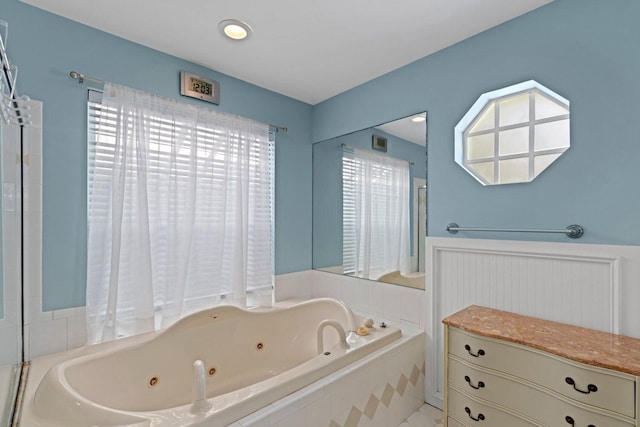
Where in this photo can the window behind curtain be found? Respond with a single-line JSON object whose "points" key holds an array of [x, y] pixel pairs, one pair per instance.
{"points": [[174, 149]]}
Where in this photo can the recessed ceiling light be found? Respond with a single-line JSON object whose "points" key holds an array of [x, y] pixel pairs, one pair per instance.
{"points": [[418, 119], [235, 29]]}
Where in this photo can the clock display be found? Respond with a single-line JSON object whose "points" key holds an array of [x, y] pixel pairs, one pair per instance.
{"points": [[199, 87]]}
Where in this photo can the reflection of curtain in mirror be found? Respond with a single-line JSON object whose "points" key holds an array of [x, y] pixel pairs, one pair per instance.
{"points": [[375, 214]]}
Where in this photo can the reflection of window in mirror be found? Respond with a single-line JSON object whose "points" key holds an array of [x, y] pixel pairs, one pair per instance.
{"points": [[375, 220], [513, 134], [406, 140]]}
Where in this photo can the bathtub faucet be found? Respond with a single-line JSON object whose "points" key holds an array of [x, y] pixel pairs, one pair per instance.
{"points": [[337, 326], [200, 403]]}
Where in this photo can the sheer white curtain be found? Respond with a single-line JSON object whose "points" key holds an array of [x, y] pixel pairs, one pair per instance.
{"points": [[375, 214], [180, 211]]}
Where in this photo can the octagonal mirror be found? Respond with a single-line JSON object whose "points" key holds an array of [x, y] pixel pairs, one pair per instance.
{"points": [[513, 134]]}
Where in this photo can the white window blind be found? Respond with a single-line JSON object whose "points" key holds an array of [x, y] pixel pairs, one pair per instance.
{"points": [[375, 213], [180, 211]]}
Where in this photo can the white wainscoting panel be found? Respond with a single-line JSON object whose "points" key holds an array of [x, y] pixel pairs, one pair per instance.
{"points": [[566, 282]]}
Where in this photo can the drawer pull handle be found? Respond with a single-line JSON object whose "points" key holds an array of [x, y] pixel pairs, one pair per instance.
{"points": [[571, 421], [478, 354], [468, 411], [478, 387], [591, 388]]}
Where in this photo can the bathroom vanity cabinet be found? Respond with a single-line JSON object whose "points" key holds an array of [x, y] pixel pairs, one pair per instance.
{"points": [[508, 370]]}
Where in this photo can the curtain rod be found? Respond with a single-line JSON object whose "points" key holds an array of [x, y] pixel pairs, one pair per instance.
{"points": [[81, 78], [351, 148]]}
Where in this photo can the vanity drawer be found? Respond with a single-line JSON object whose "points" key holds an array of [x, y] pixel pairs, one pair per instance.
{"points": [[451, 422], [591, 385], [473, 413], [529, 400]]}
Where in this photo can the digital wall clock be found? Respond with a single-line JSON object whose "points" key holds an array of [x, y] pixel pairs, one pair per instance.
{"points": [[199, 87]]}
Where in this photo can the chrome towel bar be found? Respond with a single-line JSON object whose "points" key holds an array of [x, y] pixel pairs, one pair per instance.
{"points": [[573, 231]]}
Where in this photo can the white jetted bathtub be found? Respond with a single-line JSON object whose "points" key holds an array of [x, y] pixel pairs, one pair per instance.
{"points": [[209, 369]]}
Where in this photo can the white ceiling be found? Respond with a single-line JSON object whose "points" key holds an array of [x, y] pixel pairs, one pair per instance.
{"points": [[308, 50]]}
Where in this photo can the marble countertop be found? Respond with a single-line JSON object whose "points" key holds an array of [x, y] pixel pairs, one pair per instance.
{"points": [[582, 345]]}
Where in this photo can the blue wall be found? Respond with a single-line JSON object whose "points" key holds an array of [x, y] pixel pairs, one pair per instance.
{"points": [[327, 189], [585, 50], [46, 47]]}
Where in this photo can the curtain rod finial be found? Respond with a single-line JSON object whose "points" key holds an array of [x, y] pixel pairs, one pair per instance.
{"points": [[76, 75]]}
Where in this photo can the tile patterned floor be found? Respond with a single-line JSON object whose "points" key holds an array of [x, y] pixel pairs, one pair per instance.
{"points": [[426, 416]]}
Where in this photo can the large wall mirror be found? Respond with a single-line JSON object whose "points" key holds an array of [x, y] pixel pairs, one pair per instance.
{"points": [[370, 202]]}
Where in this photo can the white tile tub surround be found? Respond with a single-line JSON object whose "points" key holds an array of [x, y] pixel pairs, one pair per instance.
{"points": [[8, 386], [49, 331], [10, 323], [54, 331], [380, 390], [399, 305], [293, 285], [10, 353], [59, 330]]}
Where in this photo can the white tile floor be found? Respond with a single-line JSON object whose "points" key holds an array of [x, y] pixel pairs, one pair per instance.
{"points": [[426, 416]]}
